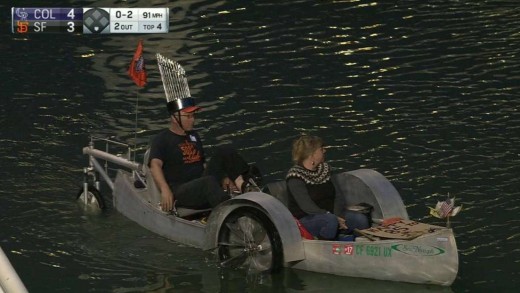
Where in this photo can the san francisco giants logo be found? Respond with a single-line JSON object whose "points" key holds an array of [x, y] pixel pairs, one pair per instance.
{"points": [[22, 26]]}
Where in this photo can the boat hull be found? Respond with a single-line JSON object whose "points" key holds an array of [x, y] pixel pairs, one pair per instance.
{"points": [[132, 203], [428, 259]]}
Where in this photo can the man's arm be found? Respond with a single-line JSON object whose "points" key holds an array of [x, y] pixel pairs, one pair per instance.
{"points": [[167, 198]]}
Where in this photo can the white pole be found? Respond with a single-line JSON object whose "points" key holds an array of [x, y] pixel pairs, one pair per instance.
{"points": [[111, 158], [135, 135], [9, 280]]}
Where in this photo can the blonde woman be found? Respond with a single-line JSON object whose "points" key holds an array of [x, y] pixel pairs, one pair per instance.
{"points": [[312, 196]]}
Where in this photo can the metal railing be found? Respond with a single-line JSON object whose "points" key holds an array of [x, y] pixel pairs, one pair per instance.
{"points": [[94, 168]]}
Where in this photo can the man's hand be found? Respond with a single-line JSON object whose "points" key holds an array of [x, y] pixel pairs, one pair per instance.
{"points": [[229, 185], [166, 200]]}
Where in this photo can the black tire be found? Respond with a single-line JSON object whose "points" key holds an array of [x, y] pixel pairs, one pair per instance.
{"points": [[248, 238], [94, 197]]}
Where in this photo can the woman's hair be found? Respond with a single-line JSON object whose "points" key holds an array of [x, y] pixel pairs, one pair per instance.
{"points": [[305, 146]]}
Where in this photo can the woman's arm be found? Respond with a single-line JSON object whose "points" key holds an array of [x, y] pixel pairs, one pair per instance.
{"points": [[339, 202], [301, 196]]}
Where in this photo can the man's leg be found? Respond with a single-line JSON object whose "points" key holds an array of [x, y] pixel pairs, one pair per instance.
{"points": [[226, 162], [201, 193]]}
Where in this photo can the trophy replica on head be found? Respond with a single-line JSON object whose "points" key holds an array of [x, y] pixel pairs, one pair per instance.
{"points": [[176, 88]]}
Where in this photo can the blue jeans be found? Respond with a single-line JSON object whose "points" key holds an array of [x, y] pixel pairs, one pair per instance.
{"points": [[323, 226], [355, 220]]}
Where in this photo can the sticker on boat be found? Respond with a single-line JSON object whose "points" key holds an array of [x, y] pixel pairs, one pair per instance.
{"points": [[336, 249], [418, 250], [348, 249], [339, 249], [373, 250]]}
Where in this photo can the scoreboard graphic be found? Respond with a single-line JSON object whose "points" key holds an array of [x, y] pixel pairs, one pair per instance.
{"points": [[30, 20]]}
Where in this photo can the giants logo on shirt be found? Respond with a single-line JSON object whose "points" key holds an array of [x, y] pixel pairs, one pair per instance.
{"points": [[190, 154]]}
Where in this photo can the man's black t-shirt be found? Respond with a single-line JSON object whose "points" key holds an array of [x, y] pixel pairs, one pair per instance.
{"points": [[182, 156]]}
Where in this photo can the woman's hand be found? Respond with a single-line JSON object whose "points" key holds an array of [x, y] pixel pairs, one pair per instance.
{"points": [[342, 224]]}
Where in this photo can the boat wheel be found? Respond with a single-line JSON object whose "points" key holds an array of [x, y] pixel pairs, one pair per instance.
{"points": [[94, 197], [248, 238]]}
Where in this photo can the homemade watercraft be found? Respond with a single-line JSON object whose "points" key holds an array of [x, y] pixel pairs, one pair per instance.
{"points": [[257, 231]]}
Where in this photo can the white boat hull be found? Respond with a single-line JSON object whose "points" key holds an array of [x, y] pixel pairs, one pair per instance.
{"points": [[428, 259]]}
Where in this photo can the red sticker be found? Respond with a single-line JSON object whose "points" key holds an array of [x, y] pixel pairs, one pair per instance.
{"points": [[336, 249], [348, 249]]}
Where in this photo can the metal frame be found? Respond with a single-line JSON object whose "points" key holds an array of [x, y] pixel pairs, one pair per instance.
{"points": [[95, 168]]}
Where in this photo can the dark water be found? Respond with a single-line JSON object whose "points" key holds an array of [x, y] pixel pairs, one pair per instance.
{"points": [[425, 92]]}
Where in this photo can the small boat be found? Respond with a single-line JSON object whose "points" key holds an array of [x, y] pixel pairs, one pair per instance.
{"points": [[256, 230]]}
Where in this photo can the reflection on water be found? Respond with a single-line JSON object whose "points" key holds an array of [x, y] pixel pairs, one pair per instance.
{"points": [[424, 92], [285, 281]]}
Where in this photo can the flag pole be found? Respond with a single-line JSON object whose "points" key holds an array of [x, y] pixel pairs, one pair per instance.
{"points": [[135, 130]]}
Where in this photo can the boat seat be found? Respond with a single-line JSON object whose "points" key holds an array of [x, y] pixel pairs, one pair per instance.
{"points": [[278, 189]]}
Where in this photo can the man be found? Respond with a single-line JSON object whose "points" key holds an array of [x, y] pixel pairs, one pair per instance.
{"points": [[177, 159]]}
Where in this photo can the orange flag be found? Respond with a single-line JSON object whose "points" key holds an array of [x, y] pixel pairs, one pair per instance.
{"points": [[137, 70]]}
